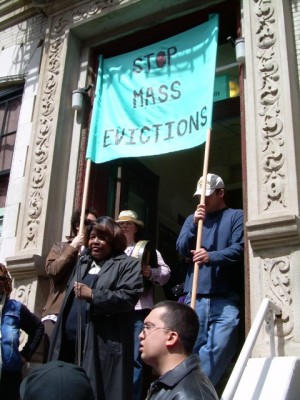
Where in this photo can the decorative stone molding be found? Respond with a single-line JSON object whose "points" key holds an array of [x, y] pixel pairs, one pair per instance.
{"points": [[30, 282], [49, 7], [47, 113], [24, 273], [278, 289], [13, 12], [270, 108], [273, 228], [273, 232], [22, 293]]}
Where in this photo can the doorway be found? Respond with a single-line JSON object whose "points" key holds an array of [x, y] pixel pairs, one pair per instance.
{"points": [[160, 188]]}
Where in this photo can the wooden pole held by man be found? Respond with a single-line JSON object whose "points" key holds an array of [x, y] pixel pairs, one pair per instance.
{"points": [[200, 223]]}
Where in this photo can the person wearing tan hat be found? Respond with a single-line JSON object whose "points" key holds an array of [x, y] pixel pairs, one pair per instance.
{"points": [[15, 316], [220, 260], [129, 216], [132, 227]]}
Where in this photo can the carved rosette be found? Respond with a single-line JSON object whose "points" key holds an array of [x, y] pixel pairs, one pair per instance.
{"points": [[47, 123], [278, 290], [269, 107]]}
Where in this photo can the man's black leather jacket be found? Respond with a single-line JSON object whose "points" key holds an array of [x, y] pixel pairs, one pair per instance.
{"points": [[184, 382]]}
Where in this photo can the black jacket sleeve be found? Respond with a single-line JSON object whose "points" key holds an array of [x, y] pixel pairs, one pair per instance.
{"points": [[34, 328]]}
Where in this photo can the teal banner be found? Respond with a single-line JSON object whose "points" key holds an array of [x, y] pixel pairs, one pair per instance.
{"points": [[157, 99]]}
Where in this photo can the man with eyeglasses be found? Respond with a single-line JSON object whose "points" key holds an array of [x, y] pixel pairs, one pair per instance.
{"points": [[159, 276], [60, 263], [166, 344]]}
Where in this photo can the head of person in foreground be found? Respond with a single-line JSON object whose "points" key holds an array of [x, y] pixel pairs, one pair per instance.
{"points": [[57, 380], [168, 336]]}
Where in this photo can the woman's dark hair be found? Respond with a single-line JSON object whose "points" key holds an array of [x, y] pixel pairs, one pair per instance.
{"points": [[111, 231], [181, 319]]}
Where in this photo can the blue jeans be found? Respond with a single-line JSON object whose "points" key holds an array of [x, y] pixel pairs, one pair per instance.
{"points": [[217, 340], [139, 316]]}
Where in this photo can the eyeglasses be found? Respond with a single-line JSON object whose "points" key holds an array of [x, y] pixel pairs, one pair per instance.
{"points": [[148, 328], [126, 223]]}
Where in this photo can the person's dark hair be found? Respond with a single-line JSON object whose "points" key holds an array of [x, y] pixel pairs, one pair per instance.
{"points": [[6, 279], [57, 380], [219, 190], [75, 219], [181, 319], [111, 231]]}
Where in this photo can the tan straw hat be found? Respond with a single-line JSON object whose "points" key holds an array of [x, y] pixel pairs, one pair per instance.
{"points": [[129, 216]]}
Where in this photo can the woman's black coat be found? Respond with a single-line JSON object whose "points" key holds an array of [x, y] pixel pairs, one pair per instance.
{"points": [[108, 347]]}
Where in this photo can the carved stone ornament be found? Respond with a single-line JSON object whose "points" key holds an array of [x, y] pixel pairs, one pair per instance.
{"points": [[270, 107], [278, 290], [22, 295], [47, 110]]}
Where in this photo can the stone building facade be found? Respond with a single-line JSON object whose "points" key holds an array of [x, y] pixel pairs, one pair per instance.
{"points": [[46, 46]]}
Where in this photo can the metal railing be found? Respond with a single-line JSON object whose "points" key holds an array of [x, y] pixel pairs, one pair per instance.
{"points": [[265, 313]]}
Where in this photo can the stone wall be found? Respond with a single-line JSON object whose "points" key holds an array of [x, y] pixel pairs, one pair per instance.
{"points": [[295, 7]]}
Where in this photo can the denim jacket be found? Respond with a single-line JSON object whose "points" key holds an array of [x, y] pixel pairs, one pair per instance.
{"points": [[10, 330]]}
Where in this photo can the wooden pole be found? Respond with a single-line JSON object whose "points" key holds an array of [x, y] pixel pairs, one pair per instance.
{"points": [[118, 192], [81, 226], [200, 223], [85, 194]]}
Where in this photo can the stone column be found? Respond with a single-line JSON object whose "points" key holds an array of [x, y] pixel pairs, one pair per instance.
{"points": [[40, 214], [272, 154]]}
